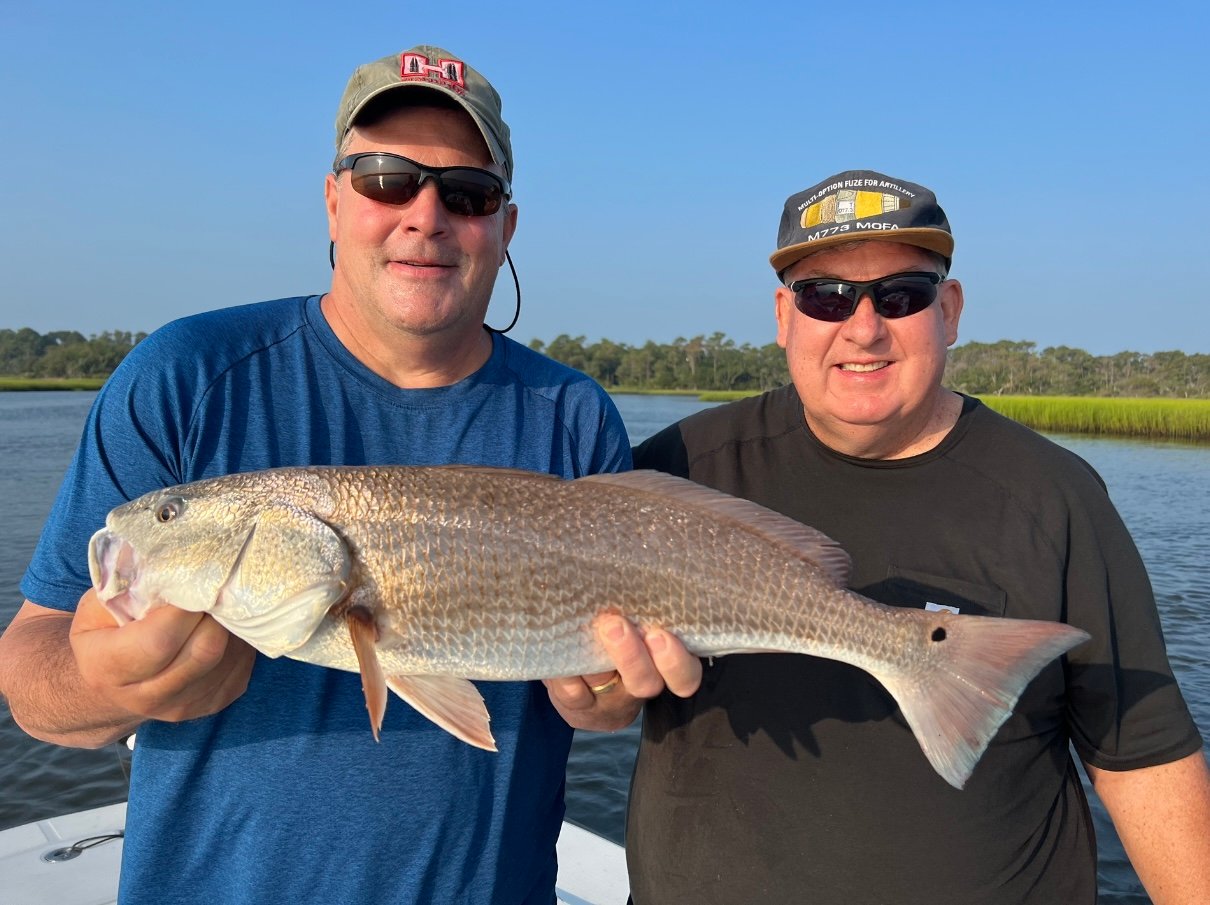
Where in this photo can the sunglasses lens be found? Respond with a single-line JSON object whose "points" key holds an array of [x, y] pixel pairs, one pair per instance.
{"points": [[470, 193], [388, 188], [390, 179], [899, 298], [824, 301]]}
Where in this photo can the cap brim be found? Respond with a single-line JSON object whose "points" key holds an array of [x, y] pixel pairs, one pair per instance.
{"points": [[932, 239]]}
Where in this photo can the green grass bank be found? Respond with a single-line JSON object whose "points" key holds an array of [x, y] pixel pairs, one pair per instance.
{"points": [[1186, 420], [1154, 419], [50, 383]]}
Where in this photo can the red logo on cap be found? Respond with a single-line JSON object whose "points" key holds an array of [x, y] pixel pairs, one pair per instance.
{"points": [[448, 72]]}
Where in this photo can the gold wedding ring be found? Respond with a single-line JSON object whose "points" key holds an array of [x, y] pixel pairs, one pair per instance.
{"points": [[606, 687]]}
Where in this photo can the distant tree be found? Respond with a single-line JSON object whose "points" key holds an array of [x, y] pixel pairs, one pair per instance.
{"points": [[65, 337], [688, 354], [604, 360], [771, 368], [63, 353], [568, 350], [990, 368], [1178, 374], [1067, 372], [20, 351]]}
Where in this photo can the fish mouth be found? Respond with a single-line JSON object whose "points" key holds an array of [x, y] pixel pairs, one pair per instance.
{"points": [[114, 568]]}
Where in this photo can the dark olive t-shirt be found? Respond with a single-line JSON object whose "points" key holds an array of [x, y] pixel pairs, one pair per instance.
{"points": [[793, 778]]}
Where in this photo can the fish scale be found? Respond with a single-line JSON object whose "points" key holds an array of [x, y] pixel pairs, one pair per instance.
{"points": [[425, 578]]}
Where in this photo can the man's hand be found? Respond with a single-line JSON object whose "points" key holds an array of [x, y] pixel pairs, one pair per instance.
{"points": [[170, 665], [605, 702]]}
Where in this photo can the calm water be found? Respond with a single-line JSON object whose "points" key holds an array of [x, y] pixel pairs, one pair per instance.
{"points": [[1161, 489]]}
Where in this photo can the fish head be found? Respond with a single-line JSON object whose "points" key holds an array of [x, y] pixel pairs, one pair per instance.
{"points": [[246, 551], [173, 546]]}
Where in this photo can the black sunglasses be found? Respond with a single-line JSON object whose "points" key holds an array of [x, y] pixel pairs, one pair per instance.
{"points": [[392, 179], [898, 295]]}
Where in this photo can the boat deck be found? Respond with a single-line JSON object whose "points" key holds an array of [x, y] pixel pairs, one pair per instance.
{"points": [[592, 870]]}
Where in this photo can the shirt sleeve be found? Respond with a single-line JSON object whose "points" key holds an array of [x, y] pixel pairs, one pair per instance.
{"points": [[1125, 708], [609, 449], [664, 451]]}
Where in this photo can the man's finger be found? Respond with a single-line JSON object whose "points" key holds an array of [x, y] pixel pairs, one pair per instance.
{"points": [[569, 693], [682, 671], [140, 650], [218, 684], [91, 614], [625, 647]]}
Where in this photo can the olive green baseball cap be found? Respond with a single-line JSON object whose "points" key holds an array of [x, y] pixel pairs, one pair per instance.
{"points": [[432, 69]]}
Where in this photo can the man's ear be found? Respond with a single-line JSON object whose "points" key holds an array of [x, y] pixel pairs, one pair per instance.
{"points": [[331, 202], [950, 297], [785, 312], [510, 227]]}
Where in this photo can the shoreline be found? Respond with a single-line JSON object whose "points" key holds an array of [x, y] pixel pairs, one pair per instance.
{"points": [[1152, 418]]}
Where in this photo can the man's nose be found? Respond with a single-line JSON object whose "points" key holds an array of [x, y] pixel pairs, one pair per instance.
{"points": [[865, 322], [426, 212]]}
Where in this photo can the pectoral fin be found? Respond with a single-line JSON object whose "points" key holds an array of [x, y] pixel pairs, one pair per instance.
{"points": [[453, 704], [290, 571], [364, 635]]}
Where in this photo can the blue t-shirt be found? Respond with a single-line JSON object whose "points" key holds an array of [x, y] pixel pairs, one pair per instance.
{"points": [[284, 796]]}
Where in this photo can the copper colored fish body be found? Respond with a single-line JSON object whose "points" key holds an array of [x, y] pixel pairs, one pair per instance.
{"points": [[424, 578]]}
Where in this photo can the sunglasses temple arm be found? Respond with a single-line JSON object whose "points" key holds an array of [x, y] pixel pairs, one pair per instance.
{"points": [[517, 286]]}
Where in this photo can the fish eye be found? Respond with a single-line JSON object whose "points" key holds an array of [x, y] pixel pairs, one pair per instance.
{"points": [[169, 509]]}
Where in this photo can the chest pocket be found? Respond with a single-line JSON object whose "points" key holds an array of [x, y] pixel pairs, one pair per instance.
{"points": [[915, 590]]}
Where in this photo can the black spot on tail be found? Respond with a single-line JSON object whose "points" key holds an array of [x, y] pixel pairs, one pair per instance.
{"points": [[938, 634]]}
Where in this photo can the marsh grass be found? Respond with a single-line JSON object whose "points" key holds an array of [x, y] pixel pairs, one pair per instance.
{"points": [[1153, 418], [1157, 419], [50, 383], [725, 395]]}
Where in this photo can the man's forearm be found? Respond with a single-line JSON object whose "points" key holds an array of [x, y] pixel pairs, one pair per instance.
{"points": [[45, 692], [1162, 815]]}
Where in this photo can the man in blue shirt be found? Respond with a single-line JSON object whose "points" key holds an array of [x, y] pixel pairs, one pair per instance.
{"points": [[257, 780]]}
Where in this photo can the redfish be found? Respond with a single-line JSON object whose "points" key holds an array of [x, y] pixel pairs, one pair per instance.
{"points": [[424, 578]]}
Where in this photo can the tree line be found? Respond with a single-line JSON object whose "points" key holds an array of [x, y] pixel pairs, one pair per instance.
{"points": [[716, 362], [63, 353], [980, 369]]}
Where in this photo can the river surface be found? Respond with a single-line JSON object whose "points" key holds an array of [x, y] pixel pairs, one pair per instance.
{"points": [[1161, 489]]}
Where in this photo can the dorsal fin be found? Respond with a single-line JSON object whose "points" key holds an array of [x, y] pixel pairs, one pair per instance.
{"points": [[799, 539]]}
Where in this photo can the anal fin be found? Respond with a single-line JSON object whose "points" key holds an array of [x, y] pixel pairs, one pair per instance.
{"points": [[453, 704]]}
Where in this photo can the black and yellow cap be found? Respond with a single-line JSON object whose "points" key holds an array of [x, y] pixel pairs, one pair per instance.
{"points": [[857, 205]]}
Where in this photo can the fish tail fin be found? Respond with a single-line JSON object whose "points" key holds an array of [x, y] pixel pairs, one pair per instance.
{"points": [[977, 667]]}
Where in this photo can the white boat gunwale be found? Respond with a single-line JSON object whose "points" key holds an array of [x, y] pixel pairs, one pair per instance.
{"points": [[592, 869]]}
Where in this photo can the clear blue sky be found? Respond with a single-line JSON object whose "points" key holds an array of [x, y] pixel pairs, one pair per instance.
{"points": [[160, 159]]}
